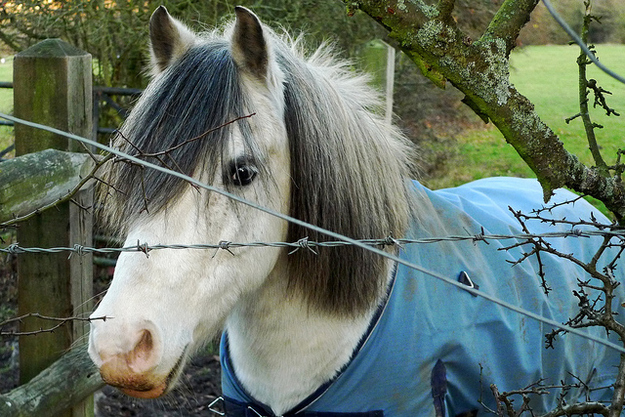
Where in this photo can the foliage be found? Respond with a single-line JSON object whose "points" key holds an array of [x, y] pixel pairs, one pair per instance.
{"points": [[117, 41]]}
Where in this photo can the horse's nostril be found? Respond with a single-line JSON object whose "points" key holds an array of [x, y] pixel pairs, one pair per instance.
{"points": [[140, 357]]}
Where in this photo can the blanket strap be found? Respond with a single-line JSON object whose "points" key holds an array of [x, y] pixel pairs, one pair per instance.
{"points": [[234, 408]]}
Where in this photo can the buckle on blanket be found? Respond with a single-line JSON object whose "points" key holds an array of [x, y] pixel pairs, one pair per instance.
{"points": [[249, 407], [213, 404], [219, 400], [464, 278]]}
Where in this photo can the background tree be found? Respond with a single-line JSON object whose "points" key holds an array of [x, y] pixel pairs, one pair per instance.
{"points": [[115, 33], [479, 69]]}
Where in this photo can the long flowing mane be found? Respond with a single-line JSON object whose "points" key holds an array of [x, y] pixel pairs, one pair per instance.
{"points": [[348, 166]]}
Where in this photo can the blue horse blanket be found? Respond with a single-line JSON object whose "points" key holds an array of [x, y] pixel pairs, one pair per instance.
{"points": [[435, 349]]}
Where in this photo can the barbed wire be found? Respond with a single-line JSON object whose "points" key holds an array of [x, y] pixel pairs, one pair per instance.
{"points": [[333, 235], [304, 243]]}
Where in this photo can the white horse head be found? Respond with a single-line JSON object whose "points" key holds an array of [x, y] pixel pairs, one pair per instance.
{"points": [[312, 148]]}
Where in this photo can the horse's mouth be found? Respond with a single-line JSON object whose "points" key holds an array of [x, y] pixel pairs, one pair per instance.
{"points": [[146, 387]]}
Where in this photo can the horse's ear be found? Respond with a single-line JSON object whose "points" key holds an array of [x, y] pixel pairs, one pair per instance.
{"points": [[169, 39], [249, 47]]}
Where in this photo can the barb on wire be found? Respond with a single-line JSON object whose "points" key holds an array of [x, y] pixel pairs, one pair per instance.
{"points": [[304, 243], [325, 232]]}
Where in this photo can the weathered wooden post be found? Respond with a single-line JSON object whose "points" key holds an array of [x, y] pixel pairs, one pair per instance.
{"points": [[52, 82], [379, 62]]}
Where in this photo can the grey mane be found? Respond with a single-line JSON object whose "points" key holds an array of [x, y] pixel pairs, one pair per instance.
{"points": [[348, 166], [349, 170]]}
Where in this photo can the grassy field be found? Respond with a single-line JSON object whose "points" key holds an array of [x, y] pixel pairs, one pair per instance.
{"points": [[547, 75], [6, 100]]}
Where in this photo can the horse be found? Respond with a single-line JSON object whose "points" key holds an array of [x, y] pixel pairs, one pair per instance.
{"points": [[325, 330]]}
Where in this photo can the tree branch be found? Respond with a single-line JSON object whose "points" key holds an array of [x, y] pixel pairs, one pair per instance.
{"points": [[509, 20], [583, 84], [480, 70]]}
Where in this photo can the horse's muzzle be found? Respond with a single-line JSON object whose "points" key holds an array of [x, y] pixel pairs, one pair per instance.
{"points": [[131, 363]]}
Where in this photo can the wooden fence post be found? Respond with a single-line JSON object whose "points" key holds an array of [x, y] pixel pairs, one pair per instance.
{"points": [[52, 86], [379, 61]]}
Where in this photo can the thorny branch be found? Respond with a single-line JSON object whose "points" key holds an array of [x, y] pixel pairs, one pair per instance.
{"points": [[600, 98], [505, 401], [583, 86], [160, 155], [186, 142], [596, 300]]}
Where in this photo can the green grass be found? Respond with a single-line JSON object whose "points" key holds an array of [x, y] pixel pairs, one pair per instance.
{"points": [[547, 75], [6, 101]]}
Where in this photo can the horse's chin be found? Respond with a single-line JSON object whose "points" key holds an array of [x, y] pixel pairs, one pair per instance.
{"points": [[145, 386], [146, 395]]}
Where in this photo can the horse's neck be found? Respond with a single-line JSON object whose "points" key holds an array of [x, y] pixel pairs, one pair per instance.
{"points": [[282, 351]]}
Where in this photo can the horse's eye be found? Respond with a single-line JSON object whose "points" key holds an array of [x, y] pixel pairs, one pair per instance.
{"points": [[242, 173]]}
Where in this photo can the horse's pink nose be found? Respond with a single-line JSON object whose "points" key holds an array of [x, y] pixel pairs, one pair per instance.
{"points": [[131, 366]]}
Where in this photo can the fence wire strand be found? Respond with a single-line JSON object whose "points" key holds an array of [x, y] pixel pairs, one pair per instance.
{"points": [[325, 232], [580, 42], [304, 243]]}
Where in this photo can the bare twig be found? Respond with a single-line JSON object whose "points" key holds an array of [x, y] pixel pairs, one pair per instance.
{"points": [[506, 403], [60, 321], [186, 142], [584, 85]]}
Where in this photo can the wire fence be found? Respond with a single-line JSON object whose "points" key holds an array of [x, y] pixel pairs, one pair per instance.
{"points": [[367, 244], [304, 243]]}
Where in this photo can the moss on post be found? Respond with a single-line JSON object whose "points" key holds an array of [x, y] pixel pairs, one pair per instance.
{"points": [[35, 180], [53, 87]]}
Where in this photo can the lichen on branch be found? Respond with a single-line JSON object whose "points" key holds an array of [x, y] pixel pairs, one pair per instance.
{"points": [[480, 70]]}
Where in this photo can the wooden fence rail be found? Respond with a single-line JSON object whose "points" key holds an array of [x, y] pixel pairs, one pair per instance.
{"points": [[33, 181], [67, 382]]}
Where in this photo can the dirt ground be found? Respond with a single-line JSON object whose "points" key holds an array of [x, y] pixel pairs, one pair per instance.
{"points": [[199, 384]]}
